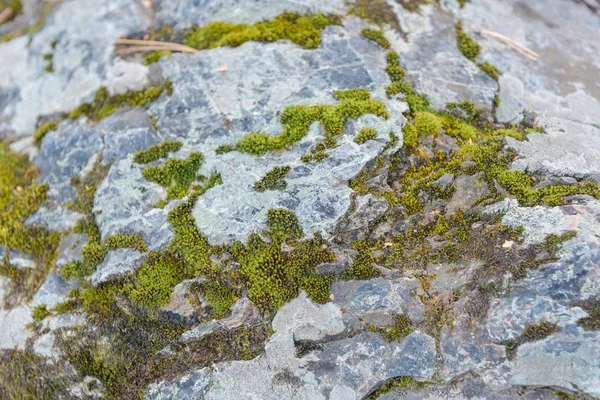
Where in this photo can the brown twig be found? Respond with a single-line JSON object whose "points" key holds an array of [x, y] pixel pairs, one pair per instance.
{"points": [[524, 51], [152, 45], [141, 49], [6, 15]]}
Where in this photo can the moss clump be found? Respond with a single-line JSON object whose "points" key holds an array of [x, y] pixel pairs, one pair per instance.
{"points": [[104, 104], [466, 106], [427, 123], [43, 130], [155, 56], [592, 321], [489, 70], [532, 333], [466, 44], [220, 296], [297, 120], [156, 279], [365, 134], [396, 73], [317, 287], [283, 225], [401, 328], [400, 384], [376, 36], [303, 30], [40, 312], [496, 102], [92, 253], [411, 135], [175, 175], [377, 12], [156, 152], [273, 180], [362, 267], [20, 197], [123, 241]]}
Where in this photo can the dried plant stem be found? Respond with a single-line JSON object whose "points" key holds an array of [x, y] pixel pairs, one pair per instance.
{"points": [[524, 51]]}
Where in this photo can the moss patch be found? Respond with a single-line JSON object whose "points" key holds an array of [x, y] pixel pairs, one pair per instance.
{"points": [[155, 56], [401, 328], [532, 333], [273, 180], [365, 135], [43, 130], [469, 47], [175, 175], [377, 12], [156, 152], [489, 70], [377, 37], [402, 384], [303, 30], [592, 321]]}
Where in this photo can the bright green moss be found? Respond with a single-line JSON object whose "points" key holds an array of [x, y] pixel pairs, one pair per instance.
{"points": [[411, 135], [466, 44], [303, 30], [40, 312], [155, 56], [175, 175], [489, 70], [396, 73], [458, 129], [532, 333], [43, 130], [283, 225], [427, 123], [365, 134], [156, 279], [273, 180], [362, 267], [376, 36], [393, 68], [104, 104], [220, 296], [318, 287], [123, 241], [156, 152], [496, 101], [297, 120], [512, 132]]}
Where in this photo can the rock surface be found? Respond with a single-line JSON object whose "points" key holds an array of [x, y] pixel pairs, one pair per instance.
{"points": [[467, 287]]}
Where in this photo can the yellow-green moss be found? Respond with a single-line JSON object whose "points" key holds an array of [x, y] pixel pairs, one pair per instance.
{"points": [[283, 225], [156, 279], [362, 266], [86, 187], [220, 296], [318, 287], [396, 73], [297, 120], [489, 70], [377, 12], [155, 56], [401, 328], [273, 180], [377, 36], [175, 175], [156, 152], [303, 30], [532, 333], [466, 44], [427, 123], [43, 130], [123, 241], [40, 312], [466, 106], [365, 134], [104, 104], [403, 384], [411, 135]]}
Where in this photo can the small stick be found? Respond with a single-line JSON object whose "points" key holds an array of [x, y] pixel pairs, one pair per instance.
{"points": [[157, 43], [136, 49], [524, 51], [5, 15]]}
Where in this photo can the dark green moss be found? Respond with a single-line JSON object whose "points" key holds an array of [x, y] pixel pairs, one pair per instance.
{"points": [[220, 296], [318, 287], [273, 180], [283, 225], [466, 106], [489, 70], [86, 187], [175, 175], [401, 328], [362, 268], [303, 30], [376, 36], [156, 279], [155, 56], [592, 321], [156, 152], [532, 333], [467, 46], [402, 384], [365, 134]]}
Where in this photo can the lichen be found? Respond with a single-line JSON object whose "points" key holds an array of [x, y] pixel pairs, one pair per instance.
{"points": [[532, 333], [365, 134], [303, 30], [156, 152], [273, 180], [376, 36], [467, 46]]}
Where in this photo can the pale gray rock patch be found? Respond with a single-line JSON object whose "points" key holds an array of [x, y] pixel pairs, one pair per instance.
{"points": [[59, 219], [116, 264]]}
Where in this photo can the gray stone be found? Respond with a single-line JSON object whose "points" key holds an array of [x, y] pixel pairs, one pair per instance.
{"points": [[356, 224], [70, 248], [58, 218], [469, 188], [117, 264], [444, 181], [53, 291], [12, 322]]}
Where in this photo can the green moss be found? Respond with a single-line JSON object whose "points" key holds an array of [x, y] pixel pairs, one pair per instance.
{"points": [[427, 123], [155, 56], [532, 333], [466, 106], [377, 12], [104, 104], [303, 30], [43, 130], [175, 175], [123, 241], [401, 328], [365, 134], [283, 225], [592, 321], [401, 384], [87, 186], [49, 58], [396, 73], [489, 70], [376, 36], [156, 152], [496, 101], [318, 287], [273, 180], [92, 253], [156, 279], [393, 68], [220, 296], [297, 120], [466, 44], [362, 266], [40, 312]]}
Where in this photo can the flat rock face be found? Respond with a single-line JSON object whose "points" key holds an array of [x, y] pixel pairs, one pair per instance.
{"points": [[395, 322]]}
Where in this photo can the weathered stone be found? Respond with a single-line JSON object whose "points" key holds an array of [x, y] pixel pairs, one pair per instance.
{"points": [[356, 224], [469, 188], [116, 264]]}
